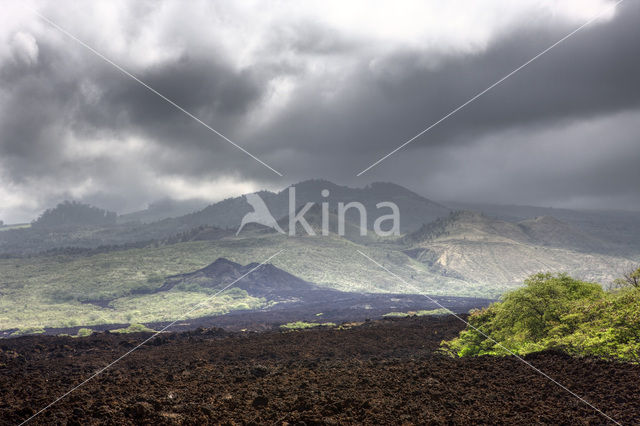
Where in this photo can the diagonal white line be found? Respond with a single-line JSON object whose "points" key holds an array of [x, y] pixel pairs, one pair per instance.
{"points": [[128, 74], [491, 339], [591, 20], [97, 373]]}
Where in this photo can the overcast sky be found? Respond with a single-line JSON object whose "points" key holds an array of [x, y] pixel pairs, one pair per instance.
{"points": [[319, 90]]}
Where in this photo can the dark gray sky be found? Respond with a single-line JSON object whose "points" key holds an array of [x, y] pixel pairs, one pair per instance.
{"points": [[320, 89]]}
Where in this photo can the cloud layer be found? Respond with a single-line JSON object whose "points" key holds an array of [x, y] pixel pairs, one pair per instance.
{"points": [[318, 90]]}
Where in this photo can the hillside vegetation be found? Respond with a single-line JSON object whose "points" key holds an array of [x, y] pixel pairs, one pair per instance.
{"points": [[556, 312], [118, 286]]}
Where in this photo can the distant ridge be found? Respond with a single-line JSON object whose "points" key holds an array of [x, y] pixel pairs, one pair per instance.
{"points": [[163, 209], [415, 210], [475, 226], [549, 231], [473, 247], [614, 226]]}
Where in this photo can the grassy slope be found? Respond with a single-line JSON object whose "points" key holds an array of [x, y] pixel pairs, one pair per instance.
{"points": [[49, 290]]}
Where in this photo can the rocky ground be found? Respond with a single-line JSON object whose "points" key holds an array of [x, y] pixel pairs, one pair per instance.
{"points": [[381, 372]]}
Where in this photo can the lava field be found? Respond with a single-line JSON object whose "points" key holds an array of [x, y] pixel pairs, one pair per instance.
{"points": [[379, 372]]}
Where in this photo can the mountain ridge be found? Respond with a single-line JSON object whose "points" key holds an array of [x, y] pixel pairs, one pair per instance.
{"points": [[415, 209], [542, 230]]}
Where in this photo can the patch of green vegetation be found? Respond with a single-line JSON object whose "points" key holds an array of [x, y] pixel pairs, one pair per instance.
{"points": [[439, 311], [301, 325], [84, 332], [396, 315], [134, 328], [421, 313], [174, 304], [28, 330], [556, 312]]}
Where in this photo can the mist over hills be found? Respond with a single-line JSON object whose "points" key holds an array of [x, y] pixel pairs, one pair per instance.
{"points": [[609, 232], [132, 228]]}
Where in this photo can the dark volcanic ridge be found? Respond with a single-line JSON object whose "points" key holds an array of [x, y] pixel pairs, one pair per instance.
{"points": [[259, 281]]}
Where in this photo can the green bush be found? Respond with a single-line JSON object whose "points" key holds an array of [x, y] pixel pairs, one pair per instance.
{"points": [[524, 318], [556, 312], [28, 330], [84, 332], [609, 327]]}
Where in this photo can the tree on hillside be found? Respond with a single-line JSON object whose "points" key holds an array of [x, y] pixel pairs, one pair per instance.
{"points": [[72, 213]]}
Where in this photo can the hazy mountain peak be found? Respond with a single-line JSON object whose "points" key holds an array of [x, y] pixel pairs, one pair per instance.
{"points": [[415, 210]]}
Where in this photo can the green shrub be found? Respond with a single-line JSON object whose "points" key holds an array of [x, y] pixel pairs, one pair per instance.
{"points": [[524, 319], [556, 312], [84, 332], [609, 327], [28, 330]]}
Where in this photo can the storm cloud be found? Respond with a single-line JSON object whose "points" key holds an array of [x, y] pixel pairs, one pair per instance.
{"points": [[319, 91]]}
